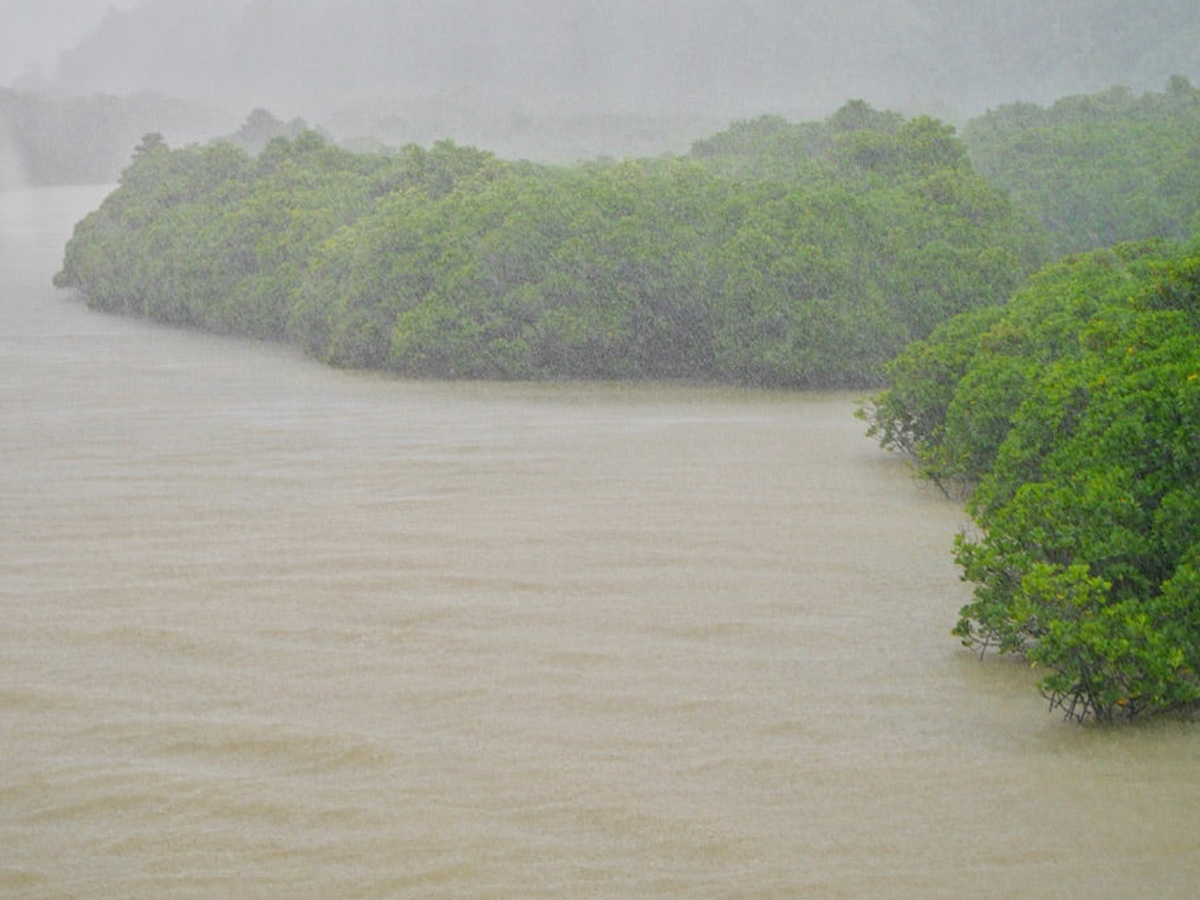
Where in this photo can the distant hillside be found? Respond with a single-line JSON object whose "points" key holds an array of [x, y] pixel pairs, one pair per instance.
{"points": [[726, 58], [48, 139]]}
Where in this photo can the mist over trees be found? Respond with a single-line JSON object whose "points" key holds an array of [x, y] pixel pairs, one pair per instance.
{"points": [[775, 254], [361, 59], [560, 81], [1098, 169], [56, 139]]}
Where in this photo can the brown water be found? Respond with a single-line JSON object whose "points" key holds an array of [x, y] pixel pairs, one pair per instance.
{"points": [[269, 630]]}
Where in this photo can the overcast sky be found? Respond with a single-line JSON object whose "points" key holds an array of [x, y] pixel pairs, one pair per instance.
{"points": [[34, 32]]}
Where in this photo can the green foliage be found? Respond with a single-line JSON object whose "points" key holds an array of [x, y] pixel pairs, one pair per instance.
{"points": [[1098, 169], [1075, 413], [773, 254]]}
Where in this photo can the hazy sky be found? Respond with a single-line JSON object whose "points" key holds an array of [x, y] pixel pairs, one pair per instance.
{"points": [[34, 32], [314, 58]]}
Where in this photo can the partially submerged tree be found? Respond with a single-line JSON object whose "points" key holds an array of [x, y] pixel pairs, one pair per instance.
{"points": [[1074, 412]]}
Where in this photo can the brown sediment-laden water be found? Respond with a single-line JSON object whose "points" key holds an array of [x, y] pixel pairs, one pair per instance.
{"points": [[269, 629]]}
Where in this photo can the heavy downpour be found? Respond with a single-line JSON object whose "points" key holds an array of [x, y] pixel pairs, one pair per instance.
{"points": [[519, 449]]}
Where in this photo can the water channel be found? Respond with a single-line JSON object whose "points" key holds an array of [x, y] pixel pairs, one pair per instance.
{"points": [[269, 629]]}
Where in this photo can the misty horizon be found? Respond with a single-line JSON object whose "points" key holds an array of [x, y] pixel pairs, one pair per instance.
{"points": [[316, 58]]}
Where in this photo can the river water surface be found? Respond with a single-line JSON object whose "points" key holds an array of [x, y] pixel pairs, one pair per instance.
{"points": [[271, 630]]}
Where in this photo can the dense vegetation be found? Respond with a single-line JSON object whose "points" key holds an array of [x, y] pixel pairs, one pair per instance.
{"points": [[775, 254], [1098, 169], [1071, 415], [1074, 410]]}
